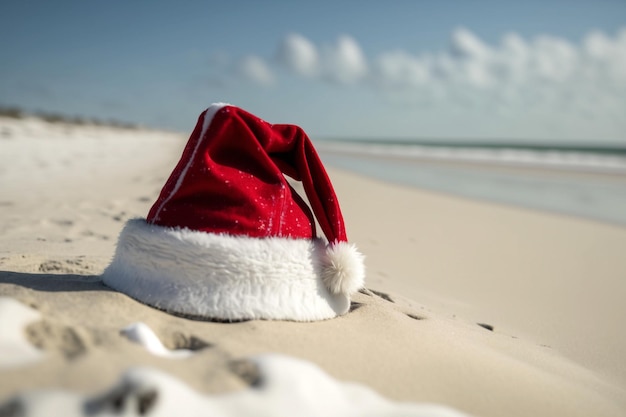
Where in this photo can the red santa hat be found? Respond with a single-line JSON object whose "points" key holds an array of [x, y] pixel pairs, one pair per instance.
{"points": [[230, 239]]}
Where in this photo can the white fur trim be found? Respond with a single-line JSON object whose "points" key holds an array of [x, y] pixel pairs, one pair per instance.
{"points": [[343, 271], [231, 277]]}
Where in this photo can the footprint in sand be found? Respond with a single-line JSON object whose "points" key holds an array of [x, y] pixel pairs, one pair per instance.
{"points": [[246, 370], [63, 222], [90, 233], [122, 216], [355, 306], [486, 326], [382, 295], [123, 400], [181, 341], [184, 346], [49, 336], [68, 266], [132, 395], [386, 297]]}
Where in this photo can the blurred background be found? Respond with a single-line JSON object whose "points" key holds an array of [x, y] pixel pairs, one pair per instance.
{"points": [[517, 102], [533, 70]]}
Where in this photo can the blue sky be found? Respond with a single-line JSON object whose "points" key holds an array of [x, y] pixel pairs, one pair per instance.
{"points": [[495, 70]]}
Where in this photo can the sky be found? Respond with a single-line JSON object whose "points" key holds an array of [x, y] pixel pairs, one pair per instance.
{"points": [[531, 70]]}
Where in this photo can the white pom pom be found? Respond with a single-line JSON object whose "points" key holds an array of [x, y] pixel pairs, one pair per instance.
{"points": [[343, 270]]}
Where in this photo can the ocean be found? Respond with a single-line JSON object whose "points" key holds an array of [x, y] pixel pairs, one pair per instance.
{"points": [[576, 180]]}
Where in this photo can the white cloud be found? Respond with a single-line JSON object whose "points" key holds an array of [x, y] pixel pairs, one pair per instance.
{"points": [[256, 70], [544, 77], [514, 62], [608, 56], [344, 62], [514, 55], [299, 55], [465, 44], [514, 71], [553, 59], [598, 45], [399, 69]]}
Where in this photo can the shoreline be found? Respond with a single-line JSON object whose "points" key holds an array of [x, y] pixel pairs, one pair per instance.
{"points": [[593, 196]]}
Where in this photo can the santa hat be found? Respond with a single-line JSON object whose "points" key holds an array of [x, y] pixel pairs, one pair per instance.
{"points": [[230, 239]]}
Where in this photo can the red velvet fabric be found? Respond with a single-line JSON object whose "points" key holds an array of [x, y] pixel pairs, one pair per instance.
{"points": [[230, 180]]}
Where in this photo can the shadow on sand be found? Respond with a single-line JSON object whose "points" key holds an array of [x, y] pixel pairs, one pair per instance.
{"points": [[54, 282]]}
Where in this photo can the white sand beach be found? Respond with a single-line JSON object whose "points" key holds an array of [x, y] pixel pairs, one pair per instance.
{"points": [[546, 289]]}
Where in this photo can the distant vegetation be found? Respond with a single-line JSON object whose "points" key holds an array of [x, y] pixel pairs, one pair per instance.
{"points": [[17, 113]]}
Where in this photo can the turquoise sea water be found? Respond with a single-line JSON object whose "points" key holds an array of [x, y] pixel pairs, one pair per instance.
{"points": [[588, 182]]}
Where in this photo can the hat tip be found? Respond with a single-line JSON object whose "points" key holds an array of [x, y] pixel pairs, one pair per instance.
{"points": [[343, 269]]}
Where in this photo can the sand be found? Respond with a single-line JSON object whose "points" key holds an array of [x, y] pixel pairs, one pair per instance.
{"points": [[545, 289]]}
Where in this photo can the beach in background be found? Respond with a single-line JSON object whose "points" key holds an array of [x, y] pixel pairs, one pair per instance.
{"points": [[578, 180], [583, 185], [474, 304]]}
